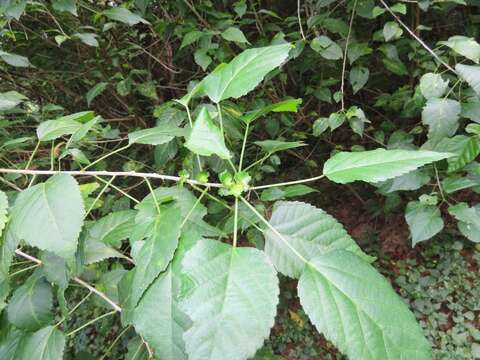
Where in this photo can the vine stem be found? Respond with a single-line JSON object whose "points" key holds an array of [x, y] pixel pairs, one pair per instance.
{"points": [[90, 323], [344, 65], [107, 173], [275, 231], [242, 153], [77, 280], [235, 223], [288, 183], [107, 155], [412, 34], [300, 21]]}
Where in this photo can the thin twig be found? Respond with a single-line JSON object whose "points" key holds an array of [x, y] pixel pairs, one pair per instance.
{"points": [[425, 46], [108, 173], [300, 21], [344, 66], [287, 183], [76, 279]]}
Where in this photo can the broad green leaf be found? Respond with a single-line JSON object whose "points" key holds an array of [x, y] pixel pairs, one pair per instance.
{"points": [[356, 308], [3, 211], [441, 116], [358, 77], [232, 303], [90, 40], [279, 193], [464, 46], [30, 307], [47, 344], [14, 59], [244, 72], [407, 182], [433, 86], [423, 220], [65, 125], [157, 251], [466, 154], [137, 350], [290, 105], [55, 269], [190, 38], [10, 99], [357, 50], [10, 338], [65, 5], [202, 58], [456, 183], [156, 136], [471, 74], [124, 15], [114, 227], [95, 91], [272, 146], [13, 8], [96, 251], [391, 30], [234, 34], [468, 220], [310, 231], [50, 215], [376, 165], [158, 318], [206, 138], [327, 48]]}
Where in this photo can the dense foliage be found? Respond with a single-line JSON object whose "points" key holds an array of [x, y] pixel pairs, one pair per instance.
{"points": [[152, 152]]}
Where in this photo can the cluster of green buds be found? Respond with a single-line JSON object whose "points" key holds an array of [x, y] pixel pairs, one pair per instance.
{"points": [[234, 185], [184, 175]]}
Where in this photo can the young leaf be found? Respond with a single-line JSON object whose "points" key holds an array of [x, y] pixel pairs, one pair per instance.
{"points": [[356, 308], [65, 125], [310, 231], [232, 303], [30, 307], [124, 15], [471, 74], [358, 77], [290, 105], [95, 91], [50, 215], [441, 116], [3, 211], [278, 193], [376, 165], [464, 46], [156, 136], [244, 72], [206, 138], [468, 220], [157, 251], [47, 344], [327, 48], [433, 86], [234, 34], [272, 146], [423, 220]]}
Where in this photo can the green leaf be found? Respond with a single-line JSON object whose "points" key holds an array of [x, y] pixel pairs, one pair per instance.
{"points": [[47, 344], [234, 34], [95, 91], [471, 74], [232, 303], [468, 220], [466, 154], [278, 193], [30, 307], [50, 215], [125, 16], [423, 220], [290, 105], [206, 138], [358, 77], [155, 136], [202, 58], [310, 231], [114, 227], [96, 251], [90, 40], [65, 5], [441, 116], [272, 146], [356, 308], [14, 59], [376, 165], [10, 99], [65, 125], [244, 72], [327, 48], [3, 211], [391, 30], [190, 38], [433, 86], [157, 251], [464, 46], [407, 182]]}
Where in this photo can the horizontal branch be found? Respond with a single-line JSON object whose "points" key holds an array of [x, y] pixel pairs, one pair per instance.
{"points": [[108, 173], [77, 280]]}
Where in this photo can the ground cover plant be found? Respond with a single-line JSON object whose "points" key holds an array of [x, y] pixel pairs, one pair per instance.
{"points": [[154, 155]]}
